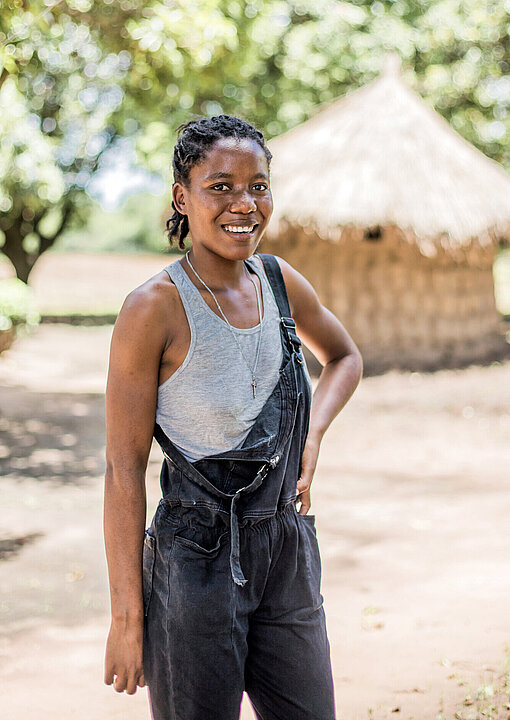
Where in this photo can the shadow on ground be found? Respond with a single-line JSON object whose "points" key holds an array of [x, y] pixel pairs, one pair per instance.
{"points": [[10, 547], [51, 437]]}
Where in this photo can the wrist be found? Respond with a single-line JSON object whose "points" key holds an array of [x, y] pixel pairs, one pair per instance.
{"points": [[128, 620], [315, 436]]}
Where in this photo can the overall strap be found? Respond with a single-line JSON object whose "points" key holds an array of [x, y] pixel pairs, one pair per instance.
{"points": [[275, 277]]}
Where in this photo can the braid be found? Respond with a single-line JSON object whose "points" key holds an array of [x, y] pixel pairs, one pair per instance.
{"points": [[195, 139], [172, 227]]}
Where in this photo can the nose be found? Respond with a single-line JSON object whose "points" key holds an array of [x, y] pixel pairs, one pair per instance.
{"points": [[244, 202]]}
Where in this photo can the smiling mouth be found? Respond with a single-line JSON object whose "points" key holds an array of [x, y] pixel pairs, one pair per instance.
{"points": [[240, 229]]}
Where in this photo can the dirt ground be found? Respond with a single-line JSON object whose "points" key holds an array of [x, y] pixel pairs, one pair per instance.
{"points": [[412, 503]]}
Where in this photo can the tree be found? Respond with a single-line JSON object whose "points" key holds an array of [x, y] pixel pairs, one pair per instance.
{"points": [[87, 72], [53, 125]]}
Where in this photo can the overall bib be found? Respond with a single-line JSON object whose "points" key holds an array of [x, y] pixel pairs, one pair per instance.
{"points": [[231, 571]]}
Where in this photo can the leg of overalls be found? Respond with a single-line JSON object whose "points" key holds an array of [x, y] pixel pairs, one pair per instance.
{"points": [[193, 659], [193, 669], [288, 670]]}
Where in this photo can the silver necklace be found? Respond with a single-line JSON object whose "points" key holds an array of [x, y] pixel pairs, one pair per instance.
{"points": [[252, 372]]}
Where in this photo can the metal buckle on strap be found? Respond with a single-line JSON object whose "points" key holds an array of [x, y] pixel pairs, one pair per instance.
{"points": [[268, 465], [290, 331], [274, 461], [288, 322]]}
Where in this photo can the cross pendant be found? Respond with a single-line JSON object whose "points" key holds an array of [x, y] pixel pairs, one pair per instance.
{"points": [[254, 386]]}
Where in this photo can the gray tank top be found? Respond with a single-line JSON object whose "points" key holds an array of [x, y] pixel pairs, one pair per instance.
{"points": [[207, 405]]}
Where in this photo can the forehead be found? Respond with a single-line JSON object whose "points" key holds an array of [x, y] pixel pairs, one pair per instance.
{"points": [[232, 156]]}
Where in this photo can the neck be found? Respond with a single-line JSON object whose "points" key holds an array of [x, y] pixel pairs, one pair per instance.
{"points": [[217, 272]]}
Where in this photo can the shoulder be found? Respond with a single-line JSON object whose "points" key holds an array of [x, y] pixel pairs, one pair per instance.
{"points": [[151, 296], [150, 311]]}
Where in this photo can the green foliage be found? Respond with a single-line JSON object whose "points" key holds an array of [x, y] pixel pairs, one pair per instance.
{"points": [[462, 62], [58, 87], [289, 56], [17, 305]]}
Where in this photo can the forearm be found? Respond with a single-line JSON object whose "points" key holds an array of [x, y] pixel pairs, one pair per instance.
{"points": [[337, 382], [124, 525]]}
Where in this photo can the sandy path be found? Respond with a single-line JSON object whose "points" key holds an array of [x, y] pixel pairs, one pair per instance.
{"points": [[412, 502]]}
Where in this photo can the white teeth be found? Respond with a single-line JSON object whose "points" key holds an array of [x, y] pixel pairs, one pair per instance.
{"points": [[235, 228]]}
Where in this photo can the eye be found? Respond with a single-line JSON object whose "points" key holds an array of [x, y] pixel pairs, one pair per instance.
{"points": [[219, 186], [261, 187]]}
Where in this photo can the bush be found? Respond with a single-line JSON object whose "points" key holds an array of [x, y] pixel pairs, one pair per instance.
{"points": [[17, 305]]}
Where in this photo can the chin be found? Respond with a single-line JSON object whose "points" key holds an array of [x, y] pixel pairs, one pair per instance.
{"points": [[239, 253], [238, 249]]}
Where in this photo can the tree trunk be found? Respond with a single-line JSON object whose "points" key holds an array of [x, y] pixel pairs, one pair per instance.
{"points": [[22, 260], [13, 247]]}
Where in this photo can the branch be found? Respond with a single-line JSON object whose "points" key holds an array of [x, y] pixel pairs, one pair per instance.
{"points": [[3, 76], [46, 241]]}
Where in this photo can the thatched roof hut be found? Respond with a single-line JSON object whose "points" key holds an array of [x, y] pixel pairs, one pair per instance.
{"points": [[395, 219]]}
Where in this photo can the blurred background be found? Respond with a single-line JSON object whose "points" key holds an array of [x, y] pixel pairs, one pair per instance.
{"points": [[389, 126]]}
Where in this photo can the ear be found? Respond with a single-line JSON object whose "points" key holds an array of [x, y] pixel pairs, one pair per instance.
{"points": [[178, 198]]}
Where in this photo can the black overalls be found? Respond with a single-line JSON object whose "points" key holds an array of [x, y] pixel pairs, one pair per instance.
{"points": [[231, 571]]}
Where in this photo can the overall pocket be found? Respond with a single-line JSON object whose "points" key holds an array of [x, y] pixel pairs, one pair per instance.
{"points": [[309, 519], [209, 547], [148, 569], [310, 559]]}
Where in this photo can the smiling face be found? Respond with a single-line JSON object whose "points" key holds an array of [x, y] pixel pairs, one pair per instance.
{"points": [[228, 199]]}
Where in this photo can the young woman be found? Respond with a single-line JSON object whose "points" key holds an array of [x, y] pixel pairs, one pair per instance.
{"points": [[206, 358]]}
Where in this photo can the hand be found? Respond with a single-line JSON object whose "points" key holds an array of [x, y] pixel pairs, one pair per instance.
{"points": [[308, 465], [123, 660]]}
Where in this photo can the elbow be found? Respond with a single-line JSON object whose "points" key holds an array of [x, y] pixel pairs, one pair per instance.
{"points": [[112, 480], [358, 364], [354, 361], [109, 473], [112, 470], [352, 364], [124, 476]]}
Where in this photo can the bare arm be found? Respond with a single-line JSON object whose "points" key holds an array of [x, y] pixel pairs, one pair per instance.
{"points": [[131, 396], [327, 338]]}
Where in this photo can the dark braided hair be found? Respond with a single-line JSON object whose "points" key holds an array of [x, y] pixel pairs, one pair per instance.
{"points": [[195, 138]]}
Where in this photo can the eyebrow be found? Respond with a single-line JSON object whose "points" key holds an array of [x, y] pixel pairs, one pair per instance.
{"points": [[219, 175]]}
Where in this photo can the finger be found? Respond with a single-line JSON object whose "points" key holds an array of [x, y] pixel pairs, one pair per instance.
{"points": [[131, 686], [108, 676], [120, 683], [306, 503], [303, 483], [141, 680]]}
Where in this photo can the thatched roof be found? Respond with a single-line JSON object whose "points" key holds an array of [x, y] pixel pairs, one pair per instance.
{"points": [[380, 156]]}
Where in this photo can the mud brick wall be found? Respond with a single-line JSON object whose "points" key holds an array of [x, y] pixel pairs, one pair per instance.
{"points": [[402, 308]]}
